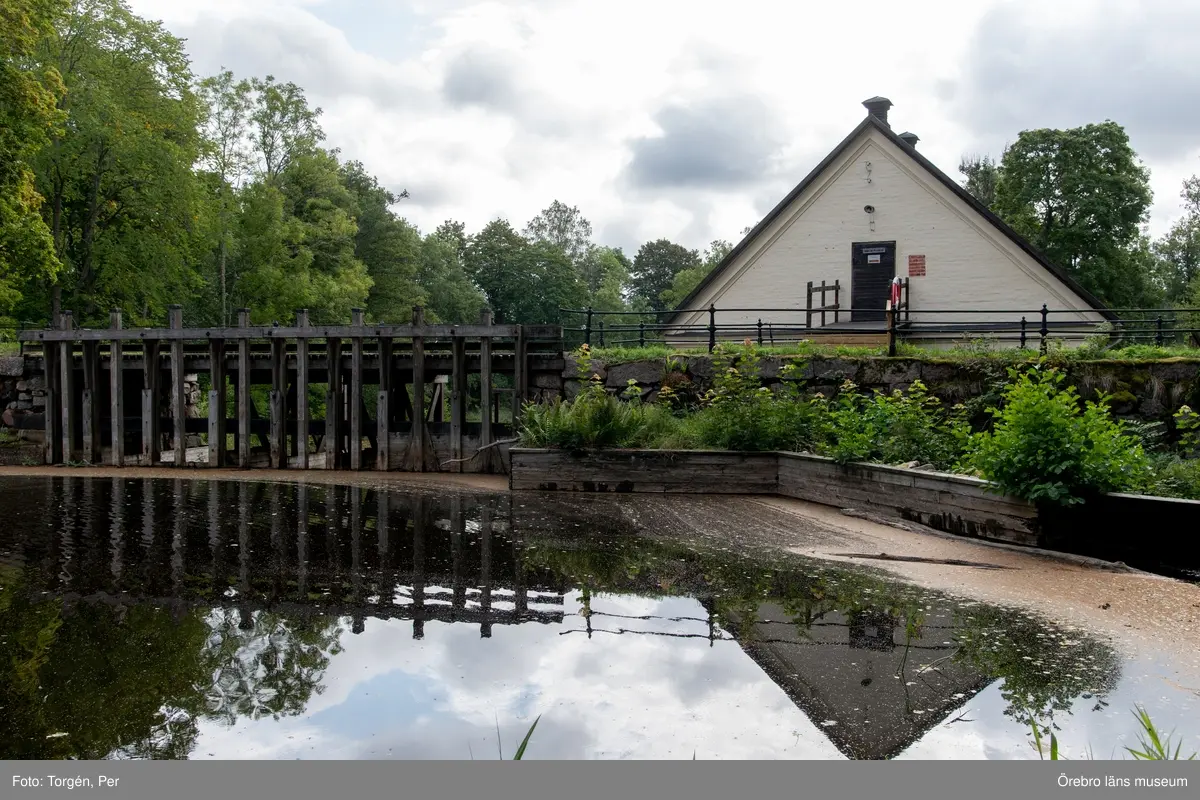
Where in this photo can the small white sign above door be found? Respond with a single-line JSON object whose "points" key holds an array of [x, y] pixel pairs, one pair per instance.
{"points": [[873, 259]]}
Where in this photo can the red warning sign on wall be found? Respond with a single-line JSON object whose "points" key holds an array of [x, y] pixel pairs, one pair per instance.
{"points": [[916, 266]]}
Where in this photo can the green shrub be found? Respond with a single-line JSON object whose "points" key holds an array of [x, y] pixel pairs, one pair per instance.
{"points": [[892, 428], [595, 419], [1175, 477], [1046, 448], [739, 413]]}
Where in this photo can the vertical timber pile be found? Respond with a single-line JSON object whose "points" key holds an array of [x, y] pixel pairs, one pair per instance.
{"points": [[216, 403], [178, 404], [243, 390], [302, 412], [356, 390], [116, 389]]}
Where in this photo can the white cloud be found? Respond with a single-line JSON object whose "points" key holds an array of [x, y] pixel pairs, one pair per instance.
{"points": [[485, 109]]}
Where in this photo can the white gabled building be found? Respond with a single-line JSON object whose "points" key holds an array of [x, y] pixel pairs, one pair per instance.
{"points": [[873, 210]]}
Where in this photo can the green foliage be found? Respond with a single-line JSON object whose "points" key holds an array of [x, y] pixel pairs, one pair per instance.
{"points": [[1154, 746], [892, 428], [1081, 196], [655, 267], [739, 413], [686, 280], [594, 419], [523, 281], [1046, 449]]}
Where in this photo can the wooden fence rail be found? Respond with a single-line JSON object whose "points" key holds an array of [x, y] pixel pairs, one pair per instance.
{"points": [[127, 396]]}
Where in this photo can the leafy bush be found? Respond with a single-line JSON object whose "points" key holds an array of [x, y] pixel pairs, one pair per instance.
{"points": [[892, 428], [1045, 448], [739, 413], [595, 419]]}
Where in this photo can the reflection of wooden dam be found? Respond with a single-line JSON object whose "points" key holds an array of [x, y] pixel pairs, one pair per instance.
{"points": [[293, 549], [394, 396]]}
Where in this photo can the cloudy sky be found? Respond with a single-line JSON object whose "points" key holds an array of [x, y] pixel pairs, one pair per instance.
{"points": [[690, 119]]}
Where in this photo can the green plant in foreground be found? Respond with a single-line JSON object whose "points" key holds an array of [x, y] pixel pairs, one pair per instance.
{"points": [[1153, 745], [1046, 449]]}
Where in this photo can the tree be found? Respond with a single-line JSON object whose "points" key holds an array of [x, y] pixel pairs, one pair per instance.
{"points": [[388, 246], [564, 227], [124, 204], [228, 156], [523, 281], [29, 115], [284, 126], [982, 174], [686, 281], [1080, 196], [604, 272], [452, 297], [655, 267], [1179, 249]]}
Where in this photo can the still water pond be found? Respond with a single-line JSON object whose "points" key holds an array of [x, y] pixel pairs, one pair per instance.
{"points": [[196, 619]]}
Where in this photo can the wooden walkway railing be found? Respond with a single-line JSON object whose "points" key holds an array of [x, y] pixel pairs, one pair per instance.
{"points": [[96, 377]]}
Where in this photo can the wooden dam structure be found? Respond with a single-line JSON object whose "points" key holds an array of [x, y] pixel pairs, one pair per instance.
{"points": [[414, 397]]}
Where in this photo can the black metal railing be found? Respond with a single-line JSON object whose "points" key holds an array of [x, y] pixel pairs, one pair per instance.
{"points": [[1022, 328]]}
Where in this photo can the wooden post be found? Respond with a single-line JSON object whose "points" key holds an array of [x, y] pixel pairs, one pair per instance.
{"points": [[66, 356], [278, 435], [485, 569], [91, 402], [150, 418], [890, 313], [485, 391], [177, 398], [418, 588], [333, 405], [53, 410], [243, 392], [458, 400], [216, 403], [116, 389], [417, 440], [356, 390], [302, 413], [519, 361], [383, 412]]}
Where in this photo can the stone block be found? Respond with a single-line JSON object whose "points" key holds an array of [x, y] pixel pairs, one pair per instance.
{"points": [[643, 373], [12, 367]]}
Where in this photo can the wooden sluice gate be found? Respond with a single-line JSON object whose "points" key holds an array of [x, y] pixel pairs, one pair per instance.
{"points": [[416, 397]]}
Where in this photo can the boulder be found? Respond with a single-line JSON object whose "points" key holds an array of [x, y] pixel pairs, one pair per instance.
{"points": [[643, 373], [12, 366]]}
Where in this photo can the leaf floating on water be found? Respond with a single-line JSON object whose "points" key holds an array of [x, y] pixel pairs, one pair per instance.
{"points": [[829, 723], [57, 735]]}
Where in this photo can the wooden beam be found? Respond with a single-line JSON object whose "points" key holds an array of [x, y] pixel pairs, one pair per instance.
{"points": [[458, 401], [216, 403], [419, 433], [243, 392], [278, 435], [532, 332], [302, 413], [150, 411], [116, 388], [178, 405], [356, 391], [485, 392], [333, 406], [53, 410], [383, 413], [520, 361], [66, 362], [91, 402]]}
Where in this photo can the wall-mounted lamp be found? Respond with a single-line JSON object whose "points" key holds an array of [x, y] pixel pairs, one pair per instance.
{"points": [[870, 210]]}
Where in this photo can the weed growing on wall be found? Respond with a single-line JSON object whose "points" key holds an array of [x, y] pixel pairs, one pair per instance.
{"points": [[1046, 448]]}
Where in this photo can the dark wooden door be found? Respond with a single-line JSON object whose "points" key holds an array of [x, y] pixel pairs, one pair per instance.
{"points": [[872, 267]]}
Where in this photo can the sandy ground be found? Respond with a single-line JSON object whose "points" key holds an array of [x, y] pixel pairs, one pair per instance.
{"points": [[1139, 612]]}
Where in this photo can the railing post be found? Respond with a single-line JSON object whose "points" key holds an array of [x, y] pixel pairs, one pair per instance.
{"points": [[587, 328], [808, 306], [1045, 329], [890, 312], [602, 333], [712, 328], [1158, 331], [760, 332], [1024, 324], [642, 334]]}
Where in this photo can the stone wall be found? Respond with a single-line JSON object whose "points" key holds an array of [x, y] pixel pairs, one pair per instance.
{"points": [[1149, 390]]}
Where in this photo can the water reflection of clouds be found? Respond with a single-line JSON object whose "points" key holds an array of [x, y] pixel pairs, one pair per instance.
{"points": [[614, 696]]}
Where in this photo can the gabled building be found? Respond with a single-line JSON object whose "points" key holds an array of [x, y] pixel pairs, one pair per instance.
{"points": [[874, 210]]}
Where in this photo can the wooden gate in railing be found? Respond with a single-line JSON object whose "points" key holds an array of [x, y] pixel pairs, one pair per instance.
{"points": [[128, 396]]}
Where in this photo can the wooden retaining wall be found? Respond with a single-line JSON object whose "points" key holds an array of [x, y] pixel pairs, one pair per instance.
{"points": [[119, 396], [950, 503]]}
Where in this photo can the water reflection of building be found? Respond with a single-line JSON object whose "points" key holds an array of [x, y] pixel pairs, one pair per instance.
{"points": [[298, 549], [870, 681]]}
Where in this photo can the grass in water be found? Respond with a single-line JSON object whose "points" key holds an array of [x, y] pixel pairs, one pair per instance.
{"points": [[1153, 745]]}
